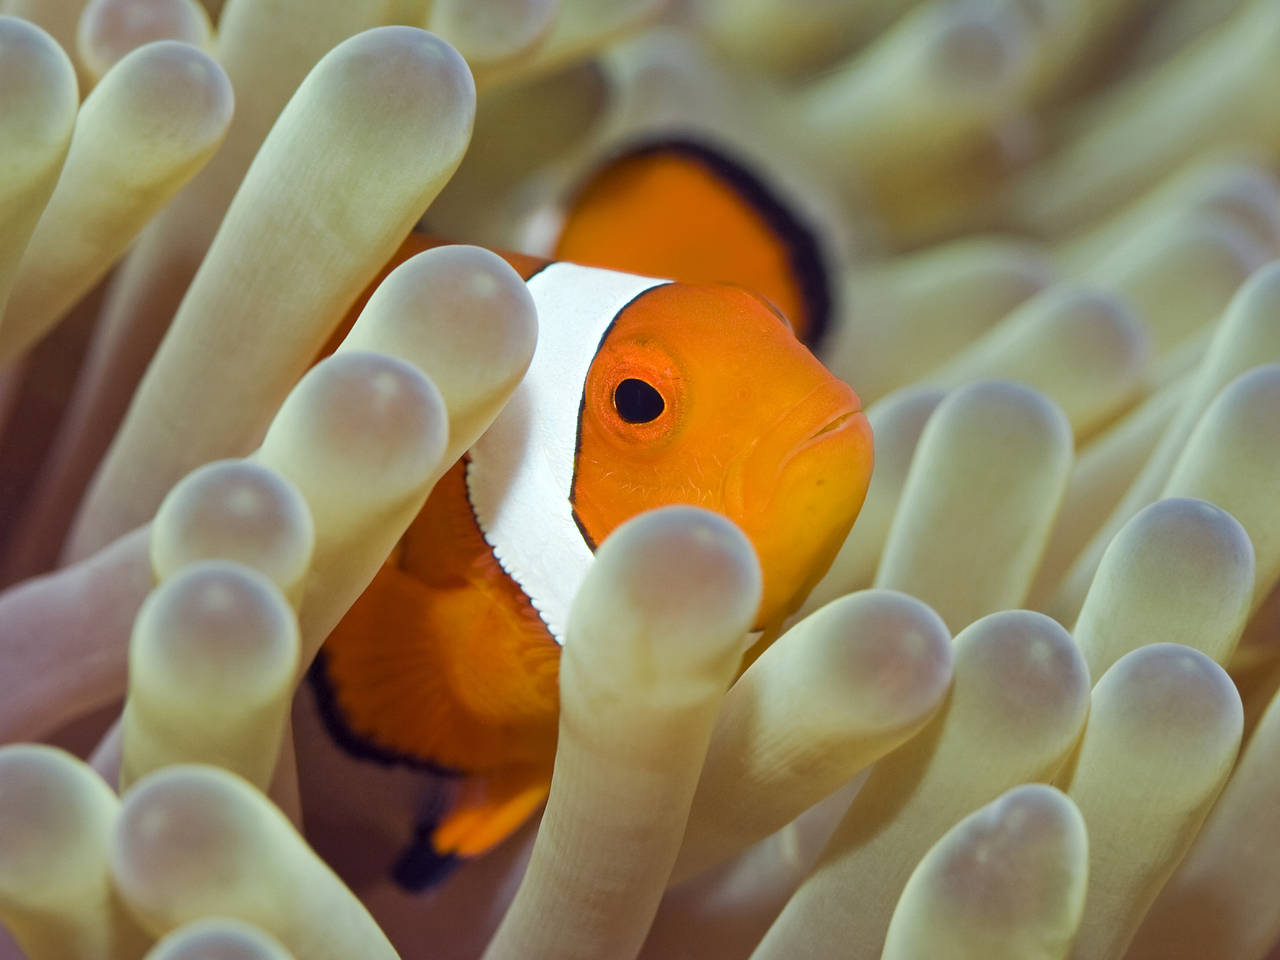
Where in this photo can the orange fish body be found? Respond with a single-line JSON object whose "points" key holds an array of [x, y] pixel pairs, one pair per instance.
{"points": [[641, 393]]}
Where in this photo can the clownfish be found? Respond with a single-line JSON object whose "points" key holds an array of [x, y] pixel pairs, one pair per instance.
{"points": [[642, 393]]}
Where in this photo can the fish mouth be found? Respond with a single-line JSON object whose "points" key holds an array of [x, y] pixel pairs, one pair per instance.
{"points": [[826, 414], [800, 488], [834, 424]]}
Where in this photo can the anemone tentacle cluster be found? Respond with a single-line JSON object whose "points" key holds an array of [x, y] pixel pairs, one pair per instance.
{"points": [[1031, 710]]}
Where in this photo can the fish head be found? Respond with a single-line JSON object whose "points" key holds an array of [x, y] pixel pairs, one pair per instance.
{"points": [[702, 395]]}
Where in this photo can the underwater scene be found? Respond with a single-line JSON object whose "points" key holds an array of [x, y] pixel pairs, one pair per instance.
{"points": [[639, 479]]}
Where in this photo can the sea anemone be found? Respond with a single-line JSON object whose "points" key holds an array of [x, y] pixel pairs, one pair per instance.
{"points": [[1031, 709]]}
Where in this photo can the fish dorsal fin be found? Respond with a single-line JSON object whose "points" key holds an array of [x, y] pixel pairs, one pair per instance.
{"points": [[521, 471], [696, 211]]}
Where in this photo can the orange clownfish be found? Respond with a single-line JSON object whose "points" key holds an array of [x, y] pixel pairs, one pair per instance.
{"points": [[641, 393]]}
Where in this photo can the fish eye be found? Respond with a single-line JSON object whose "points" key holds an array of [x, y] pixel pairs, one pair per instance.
{"points": [[637, 401]]}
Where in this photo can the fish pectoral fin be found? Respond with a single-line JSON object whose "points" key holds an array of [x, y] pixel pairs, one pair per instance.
{"points": [[446, 679], [489, 809]]}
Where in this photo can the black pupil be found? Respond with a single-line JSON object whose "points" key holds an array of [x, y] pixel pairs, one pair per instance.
{"points": [[637, 401]]}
